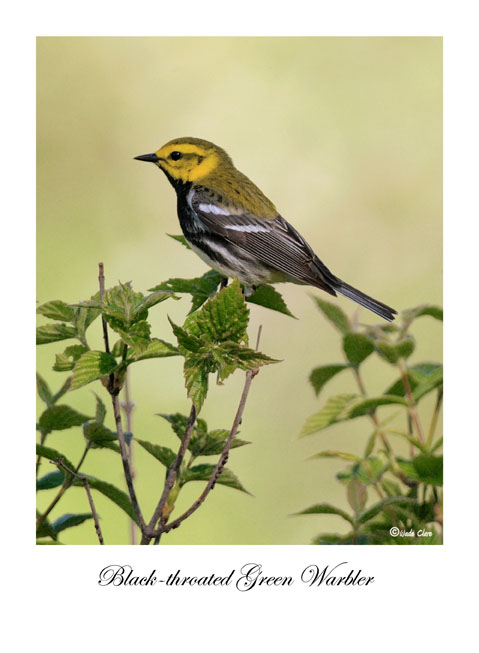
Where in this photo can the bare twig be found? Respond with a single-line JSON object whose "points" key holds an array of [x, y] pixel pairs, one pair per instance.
{"points": [[128, 407], [117, 414], [170, 478], [59, 463], [166, 528]]}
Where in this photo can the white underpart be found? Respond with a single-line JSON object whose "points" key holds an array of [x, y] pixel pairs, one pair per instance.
{"points": [[246, 227]]}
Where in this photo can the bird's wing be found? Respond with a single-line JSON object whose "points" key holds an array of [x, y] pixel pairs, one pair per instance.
{"points": [[274, 241]]}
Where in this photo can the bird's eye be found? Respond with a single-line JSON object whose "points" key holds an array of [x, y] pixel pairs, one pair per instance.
{"points": [[175, 156]]}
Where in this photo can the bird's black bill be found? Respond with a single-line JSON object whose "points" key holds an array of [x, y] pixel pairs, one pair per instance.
{"points": [[150, 158]]}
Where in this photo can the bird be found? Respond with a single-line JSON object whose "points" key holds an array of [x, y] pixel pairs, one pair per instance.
{"points": [[231, 224]]}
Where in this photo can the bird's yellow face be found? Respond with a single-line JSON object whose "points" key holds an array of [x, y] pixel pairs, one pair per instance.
{"points": [[187, 160]]}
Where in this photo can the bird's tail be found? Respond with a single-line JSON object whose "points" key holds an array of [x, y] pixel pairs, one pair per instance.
{"points": [[373, 305]]}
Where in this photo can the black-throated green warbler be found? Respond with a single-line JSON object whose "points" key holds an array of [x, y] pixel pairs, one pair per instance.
{"points": [[235, 228]]}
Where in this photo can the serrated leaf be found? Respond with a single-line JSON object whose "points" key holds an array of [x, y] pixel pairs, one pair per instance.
{"points": [[429, 469], [357, 347], [56, 310], [328, 415], [99, 435], [165, 455], [44, 391], [110, 491], [430, 383], [69, 520], [326, 509], [51, 480], [416, 374], [53, 454], [357, 495], [200, 288], [137, 337], [367, 406], [186, 341], [196, 382], [321, 375], [100, 412], [334, 314], [269, 297], [223, 318], [393, 352], [152, 300], [158, 349], [60, 417], [66, 361], [231, 356], [204, 472], [91, 366], [369, 514], [213, 443], [54, 332]]}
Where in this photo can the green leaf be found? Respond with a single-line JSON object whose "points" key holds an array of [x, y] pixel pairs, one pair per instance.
{"points": [[84, 317], [330, 414], [428, 469], [91, 366], [69, 520], [53, 454], [196, 382], [151, 300], [369, 514], [45, 529], [165, 455], [56, 310], [430, 383], [110, 491], [200, 288], [334, 314], [51, 480], [370, 404], [54, 332], [100, 412], [44, 391], [230, 356], [213, 443], [326, 509], [66, 361], [321, 375], [425, 309], [63, 390], [204, 472], [223, 318], [342, 455], [357, 347], [403, 348], [180, 239], [357, 495], [158, 349], [269, 297], [137, 336], [186, 341], [58, 418], [100, 436]]}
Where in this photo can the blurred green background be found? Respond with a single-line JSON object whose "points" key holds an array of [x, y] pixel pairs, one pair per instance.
{"points": [[344, 135]]}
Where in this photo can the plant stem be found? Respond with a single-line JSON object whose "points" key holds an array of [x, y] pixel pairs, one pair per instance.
{"points": [[117, 413], [411, 403], [170, 478], [66, 484], [59, 462], [435, 417], [128, 407]]}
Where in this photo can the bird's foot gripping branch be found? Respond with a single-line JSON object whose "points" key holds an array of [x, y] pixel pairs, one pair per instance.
{"points": [[212, 340]]}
